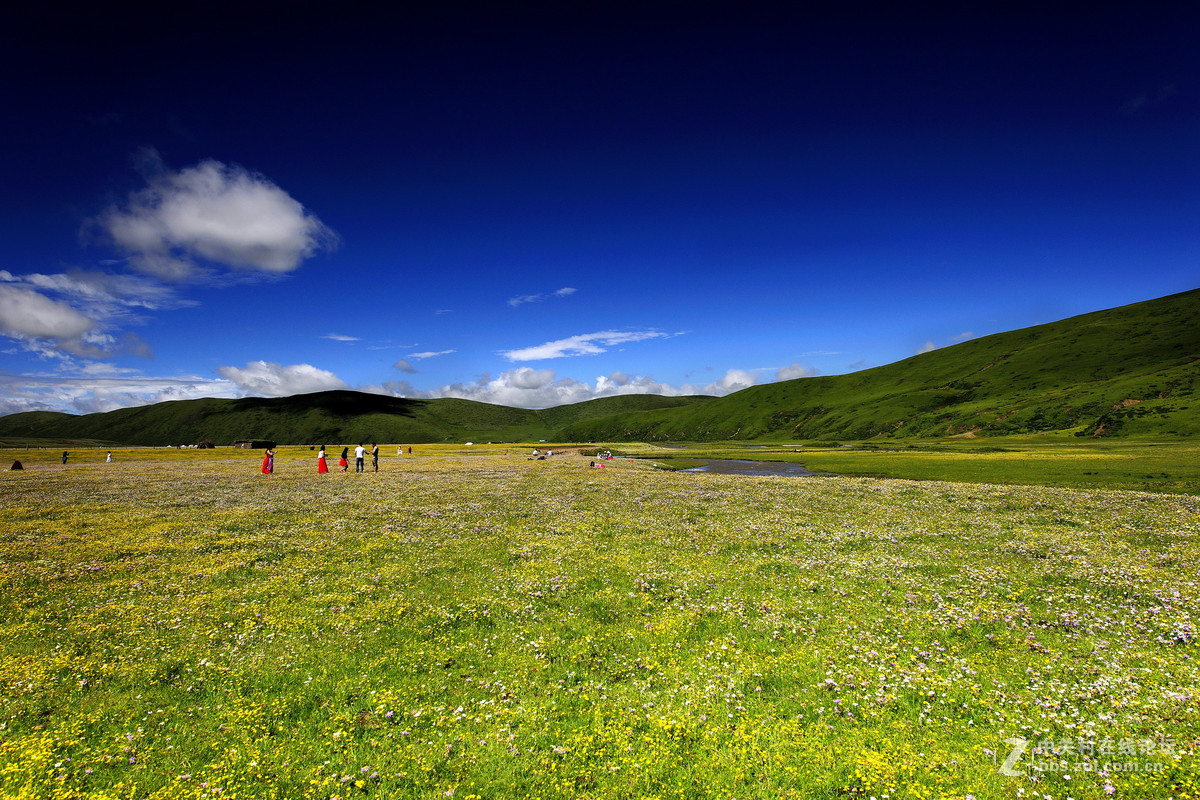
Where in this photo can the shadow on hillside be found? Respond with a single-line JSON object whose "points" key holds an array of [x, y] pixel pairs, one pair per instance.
{"points": [[335, 403]]}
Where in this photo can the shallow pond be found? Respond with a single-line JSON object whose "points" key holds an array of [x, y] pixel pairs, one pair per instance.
{"points": [[725, 466]]}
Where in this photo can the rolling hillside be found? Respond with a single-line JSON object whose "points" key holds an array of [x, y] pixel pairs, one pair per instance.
{"points": [[1128, 371], [323, 417]]}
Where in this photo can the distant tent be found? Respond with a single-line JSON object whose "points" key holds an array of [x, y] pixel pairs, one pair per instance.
{"points": [[17, 465], [255, 444], [205, 445]]}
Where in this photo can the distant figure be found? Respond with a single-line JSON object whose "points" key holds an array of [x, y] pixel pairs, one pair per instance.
{"points": [[400, 450], [344, 464], [108, 458], [322, 467], [375, 456], [65, 454], [410, 449], [268, 467], [360, 454]]}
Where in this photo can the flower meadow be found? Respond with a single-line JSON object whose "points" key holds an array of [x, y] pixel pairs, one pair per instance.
{"points": [[480, 625]]}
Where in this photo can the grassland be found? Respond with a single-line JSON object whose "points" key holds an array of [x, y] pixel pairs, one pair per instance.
{"points": [[473, 624], [1066, 461]]}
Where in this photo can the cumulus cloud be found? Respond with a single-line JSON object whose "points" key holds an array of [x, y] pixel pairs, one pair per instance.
{"points": [[734, 380], [537, 298], [585, 344], [279, 380], [525, 387], [102, 387], [962, 337], [404, 366], [215, 213], [76, 312], [26, 313], [793, 371], [928, 347]]}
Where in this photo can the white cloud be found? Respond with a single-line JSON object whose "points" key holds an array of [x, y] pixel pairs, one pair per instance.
{"points": [[404, 366], [582, 345], [101, 387], [430, 354], [525, 387], [962, 337], [75, 312], [104, 387], [26, 313], [793, 371], [106, 294], [339, 337], [537, 298], [733, 381], [216, 213], [928, 347], [279, 380]]}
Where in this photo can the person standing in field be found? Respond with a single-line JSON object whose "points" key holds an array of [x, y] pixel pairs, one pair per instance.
{"points": [[268, 467], [322, 467], [360, 454], [108, 458], [65, 454], [344, 464], [375, 457]]}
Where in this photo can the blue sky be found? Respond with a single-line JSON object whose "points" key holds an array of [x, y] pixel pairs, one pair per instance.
{"points": [[544, 203]]}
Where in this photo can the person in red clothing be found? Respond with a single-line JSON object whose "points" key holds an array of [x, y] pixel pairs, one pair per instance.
{"points": [[322, 467], [268, 467]]}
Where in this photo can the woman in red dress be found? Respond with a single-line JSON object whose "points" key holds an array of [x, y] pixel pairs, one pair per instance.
{"points": [[321, 465], [344, 464], [268, 467]]}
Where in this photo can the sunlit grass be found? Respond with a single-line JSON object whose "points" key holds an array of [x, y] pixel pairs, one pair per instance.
{"points": [[1153, 466], [471, 623]]}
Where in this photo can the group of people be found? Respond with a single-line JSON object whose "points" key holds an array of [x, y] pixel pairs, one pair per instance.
{"points": [[360, 458], [67, 453]]}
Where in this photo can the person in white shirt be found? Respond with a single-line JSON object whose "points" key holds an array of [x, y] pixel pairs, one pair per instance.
{"points": [[360, 453]]}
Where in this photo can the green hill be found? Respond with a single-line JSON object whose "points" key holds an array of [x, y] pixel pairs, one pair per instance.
{"points": [[322, 417], [1129, 371]]}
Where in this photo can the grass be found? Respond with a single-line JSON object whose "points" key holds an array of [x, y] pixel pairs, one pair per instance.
{"points": [[473, 624], [1163, 466]]}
